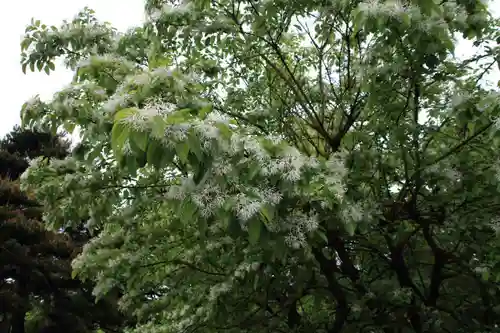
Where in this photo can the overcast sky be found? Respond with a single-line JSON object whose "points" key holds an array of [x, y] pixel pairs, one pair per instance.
{"points": [[16, 88]]}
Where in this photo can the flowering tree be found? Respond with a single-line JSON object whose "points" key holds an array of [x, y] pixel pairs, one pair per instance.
{"points": [[275, 166]]}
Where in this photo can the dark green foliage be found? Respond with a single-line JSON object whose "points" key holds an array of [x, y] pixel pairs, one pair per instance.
{"points": [[37, 291], [11, 166], [34, 143]]}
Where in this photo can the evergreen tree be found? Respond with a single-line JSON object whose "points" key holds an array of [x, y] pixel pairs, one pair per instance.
{"points": [[37, 291]]}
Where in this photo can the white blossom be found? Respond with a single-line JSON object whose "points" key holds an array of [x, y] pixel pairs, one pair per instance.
{"points": [[247, 207], [221, 167], [370, 7], [352, 212], [209, 199], [207, 131], [116, 102]]}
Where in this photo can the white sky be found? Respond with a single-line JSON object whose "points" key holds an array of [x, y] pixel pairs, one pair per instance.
{"points": [[16, 88]]}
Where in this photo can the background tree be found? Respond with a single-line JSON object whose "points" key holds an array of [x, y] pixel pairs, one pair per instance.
{"points": [[275, 166], [37, 291]]}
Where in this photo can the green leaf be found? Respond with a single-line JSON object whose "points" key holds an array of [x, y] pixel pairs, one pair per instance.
{"points": [[204, 111], [182, 150], [154, 154], [359, 19], [194, 145], [178, 117], [224, 130], [202, 228], [234, 226], [256, 282], [69, 127], [125, 114], [349, 140], [280, 250], [131, 164], [119, 135], [254, 229], [321, 234], [350, 227], [140, 138], [158, 127], [253, 170], [187, 210], [25, 44], [267, 212], [159, 61]]}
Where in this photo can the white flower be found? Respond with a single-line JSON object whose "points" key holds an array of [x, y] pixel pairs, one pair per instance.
{"points": [[216, 117], [394, 7], [292, 241], [127, 149], [247, 207], [162, 72], [356, 308], [100, 92], [141, 79], [370, 7], [352, 212], [218, 290], [253, 146], [207, 131], [148, 113], [221, 167], [115, 102], [271, 196]]}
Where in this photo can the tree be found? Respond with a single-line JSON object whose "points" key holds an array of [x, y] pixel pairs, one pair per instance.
{"points": [[272, 166], [37, 291]]}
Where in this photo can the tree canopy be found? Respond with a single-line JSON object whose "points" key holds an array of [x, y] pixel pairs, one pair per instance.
{"points": [[280, 166]]}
